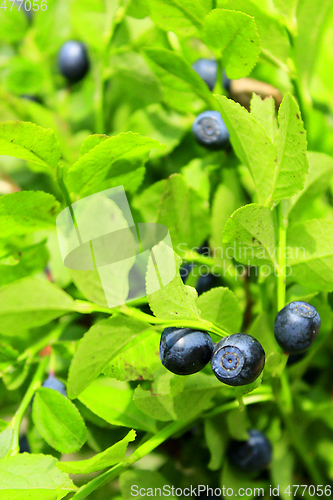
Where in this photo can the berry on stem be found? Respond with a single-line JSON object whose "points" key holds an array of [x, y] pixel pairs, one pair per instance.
{"points": [[73, 61], [210, 130], [296, 327], [207, 69], [238, 359], [184, 351], [253, 455]]}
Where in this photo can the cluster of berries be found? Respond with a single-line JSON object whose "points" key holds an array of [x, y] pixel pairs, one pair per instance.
{"points": [[239, 359], [209, 128]]}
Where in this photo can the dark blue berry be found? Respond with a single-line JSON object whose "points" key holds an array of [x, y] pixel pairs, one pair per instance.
{"points": [[184, 351], [207, 69], [53, 383], [210, 130], [24, 444], [238, 359], [296, 327], [295, 358], [73, 61], [253, 455], [206, 283]]}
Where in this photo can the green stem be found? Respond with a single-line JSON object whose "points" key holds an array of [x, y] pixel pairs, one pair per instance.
{"points": [[17, 419], [141, 452], [152, 443], [281, 269], [200, 324]]}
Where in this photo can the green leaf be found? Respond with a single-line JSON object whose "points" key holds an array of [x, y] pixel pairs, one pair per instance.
{"points": [[235, 35], [233, 479], [184, 213], [31, 302], [272, 33], [311, 22], [263, 111], [262, 329], [216, 440], [291, 144], [103, 342], [287, 7], [13, 24], [282, 468], [148, 200], [26, 262], [137, 360], [91, 20], [165, 125], [238, 425], [174, 300], [6, 435], [320, 171], [110, 456], [196, 177], [310, 254], [29, 142], [161, 403], [26, 212], [58, 421], [147, 479], [220, 306], [251, 144], [113, 401], [8, 355], [183, 17], [102, 162], [251, 235], [91, 142], [174, 64], [33, 476]]}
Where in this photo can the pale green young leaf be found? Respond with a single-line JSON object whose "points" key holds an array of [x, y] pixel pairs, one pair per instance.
{"points": [[235, 35], [91, 142], [137, 360], [183, 17], [310, 254], [148, 200], [33, 476], [238, 424], [251, 144], [174, 300], [58, 421], [26, 212], [103, 342], [197, 177], [193, 398], [184, 212], [320, 171], [174, 64], [112, 401], [29, 142], [220, 306], [107, 458], [252, 235], [272, 33], [263, 111], [31, 302], [292, 165], [103, 161], [28, 261]]}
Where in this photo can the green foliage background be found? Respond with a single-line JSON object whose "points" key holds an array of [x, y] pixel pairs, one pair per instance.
{"points": [[270, 198]]}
